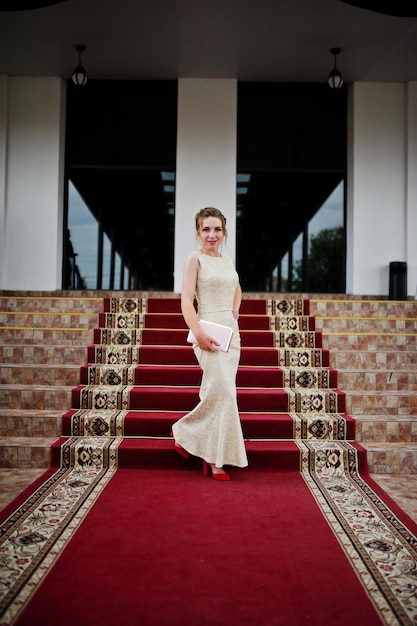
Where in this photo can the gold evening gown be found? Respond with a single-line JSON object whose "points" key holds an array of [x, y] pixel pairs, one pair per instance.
{"points": [[212, 430]]}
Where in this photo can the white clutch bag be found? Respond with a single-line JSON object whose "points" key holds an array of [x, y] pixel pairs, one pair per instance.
{"points": [[219, 332]]}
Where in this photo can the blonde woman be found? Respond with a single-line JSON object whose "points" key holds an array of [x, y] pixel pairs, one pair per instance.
{"points": [[212, 430]]}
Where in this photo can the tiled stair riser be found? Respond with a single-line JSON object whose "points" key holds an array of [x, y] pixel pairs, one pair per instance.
{"points": [[381, 403], [369, 342], [383, 461], [35, 424], [39, 375], [26, 453], [54, 337], [46, 320], [35, 398], [363, 308], [361, 380], [66, 305], [367, 325], [42, 355], [385, 429], [381, 360]]}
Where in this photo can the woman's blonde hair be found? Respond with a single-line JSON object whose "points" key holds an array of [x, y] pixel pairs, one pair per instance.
{"points": [[210, 211]]}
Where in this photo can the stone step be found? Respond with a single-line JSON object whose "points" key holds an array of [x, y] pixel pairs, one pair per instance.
{"points": [[394, 458], [347, 380], [376, 428], [368, 307], [379, 380], [46, 374], [367, 325], [321, 305], [369, 342], [30, 423], [46, 337], [43, 397], [51, 304], [22, 354], [386, 429], [382, 360], [26, 452], [35, 452], [370, 402], [46, 320], [331, 341]]}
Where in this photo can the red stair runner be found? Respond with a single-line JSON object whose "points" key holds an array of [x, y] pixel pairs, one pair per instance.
{"points": [[141, 376]]}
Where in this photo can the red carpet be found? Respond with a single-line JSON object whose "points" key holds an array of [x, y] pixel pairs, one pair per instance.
{"points": [[174, 547], [123, 530]]}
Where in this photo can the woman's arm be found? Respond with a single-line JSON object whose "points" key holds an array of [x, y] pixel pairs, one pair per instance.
{"points": [[237, 300], [189, 282]]}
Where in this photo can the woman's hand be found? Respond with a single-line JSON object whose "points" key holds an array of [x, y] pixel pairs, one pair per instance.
{"points": [[205, 342], [235, 313]]}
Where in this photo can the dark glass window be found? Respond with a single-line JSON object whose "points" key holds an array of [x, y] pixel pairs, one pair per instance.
{"points": [[291, 163], [120, 172]]}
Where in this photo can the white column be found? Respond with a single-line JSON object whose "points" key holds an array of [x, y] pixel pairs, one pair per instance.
{"points": [[206, 160], [377, 183], [34, 183], [411, 199], [3, 157]]}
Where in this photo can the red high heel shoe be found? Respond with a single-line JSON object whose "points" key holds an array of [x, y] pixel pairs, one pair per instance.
{"points": [[207, 470], [180, 450]]}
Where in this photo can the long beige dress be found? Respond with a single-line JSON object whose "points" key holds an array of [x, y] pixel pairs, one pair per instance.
{"points": [[212, 430]]}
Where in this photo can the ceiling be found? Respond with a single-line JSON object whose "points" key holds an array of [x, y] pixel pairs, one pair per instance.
{"points": [[262, 40]]}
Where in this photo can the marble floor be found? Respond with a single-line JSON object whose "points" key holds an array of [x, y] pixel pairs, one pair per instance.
{"points": [[401, 487]]}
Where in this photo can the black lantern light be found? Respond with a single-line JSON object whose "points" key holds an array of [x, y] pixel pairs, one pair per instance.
{"points": [[79, 75], [335, 78]]}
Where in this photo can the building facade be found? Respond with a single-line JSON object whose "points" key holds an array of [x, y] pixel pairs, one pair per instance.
{"points": [[381, 177]]}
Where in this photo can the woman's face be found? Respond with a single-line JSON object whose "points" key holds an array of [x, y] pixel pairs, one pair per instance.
{"points": [[211, 235]]}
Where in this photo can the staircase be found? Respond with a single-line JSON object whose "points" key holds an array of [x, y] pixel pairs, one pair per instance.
{"points": [[373, 346], [43, 342], [53, 355]]}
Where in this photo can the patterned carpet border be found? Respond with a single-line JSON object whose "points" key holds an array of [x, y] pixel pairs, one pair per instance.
{"points": [[293, 378], [381, 549], [123, 355], [105, 423], [34, 536]]}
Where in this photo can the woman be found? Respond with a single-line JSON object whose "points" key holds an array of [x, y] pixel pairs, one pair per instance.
{"points": [[212, 430]]}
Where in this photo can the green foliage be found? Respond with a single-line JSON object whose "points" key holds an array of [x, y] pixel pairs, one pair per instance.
{"points": [[324, 265]]}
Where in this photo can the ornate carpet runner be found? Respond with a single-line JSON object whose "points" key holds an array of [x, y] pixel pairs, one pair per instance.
{"points": [[35, 534], [142, 376], [381, 549]]}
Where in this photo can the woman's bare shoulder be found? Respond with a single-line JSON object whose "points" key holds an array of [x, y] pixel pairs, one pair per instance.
{"points": [[192, 258]]}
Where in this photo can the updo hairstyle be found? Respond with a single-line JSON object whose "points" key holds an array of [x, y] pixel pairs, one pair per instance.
{"points": [[209, 212]]}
